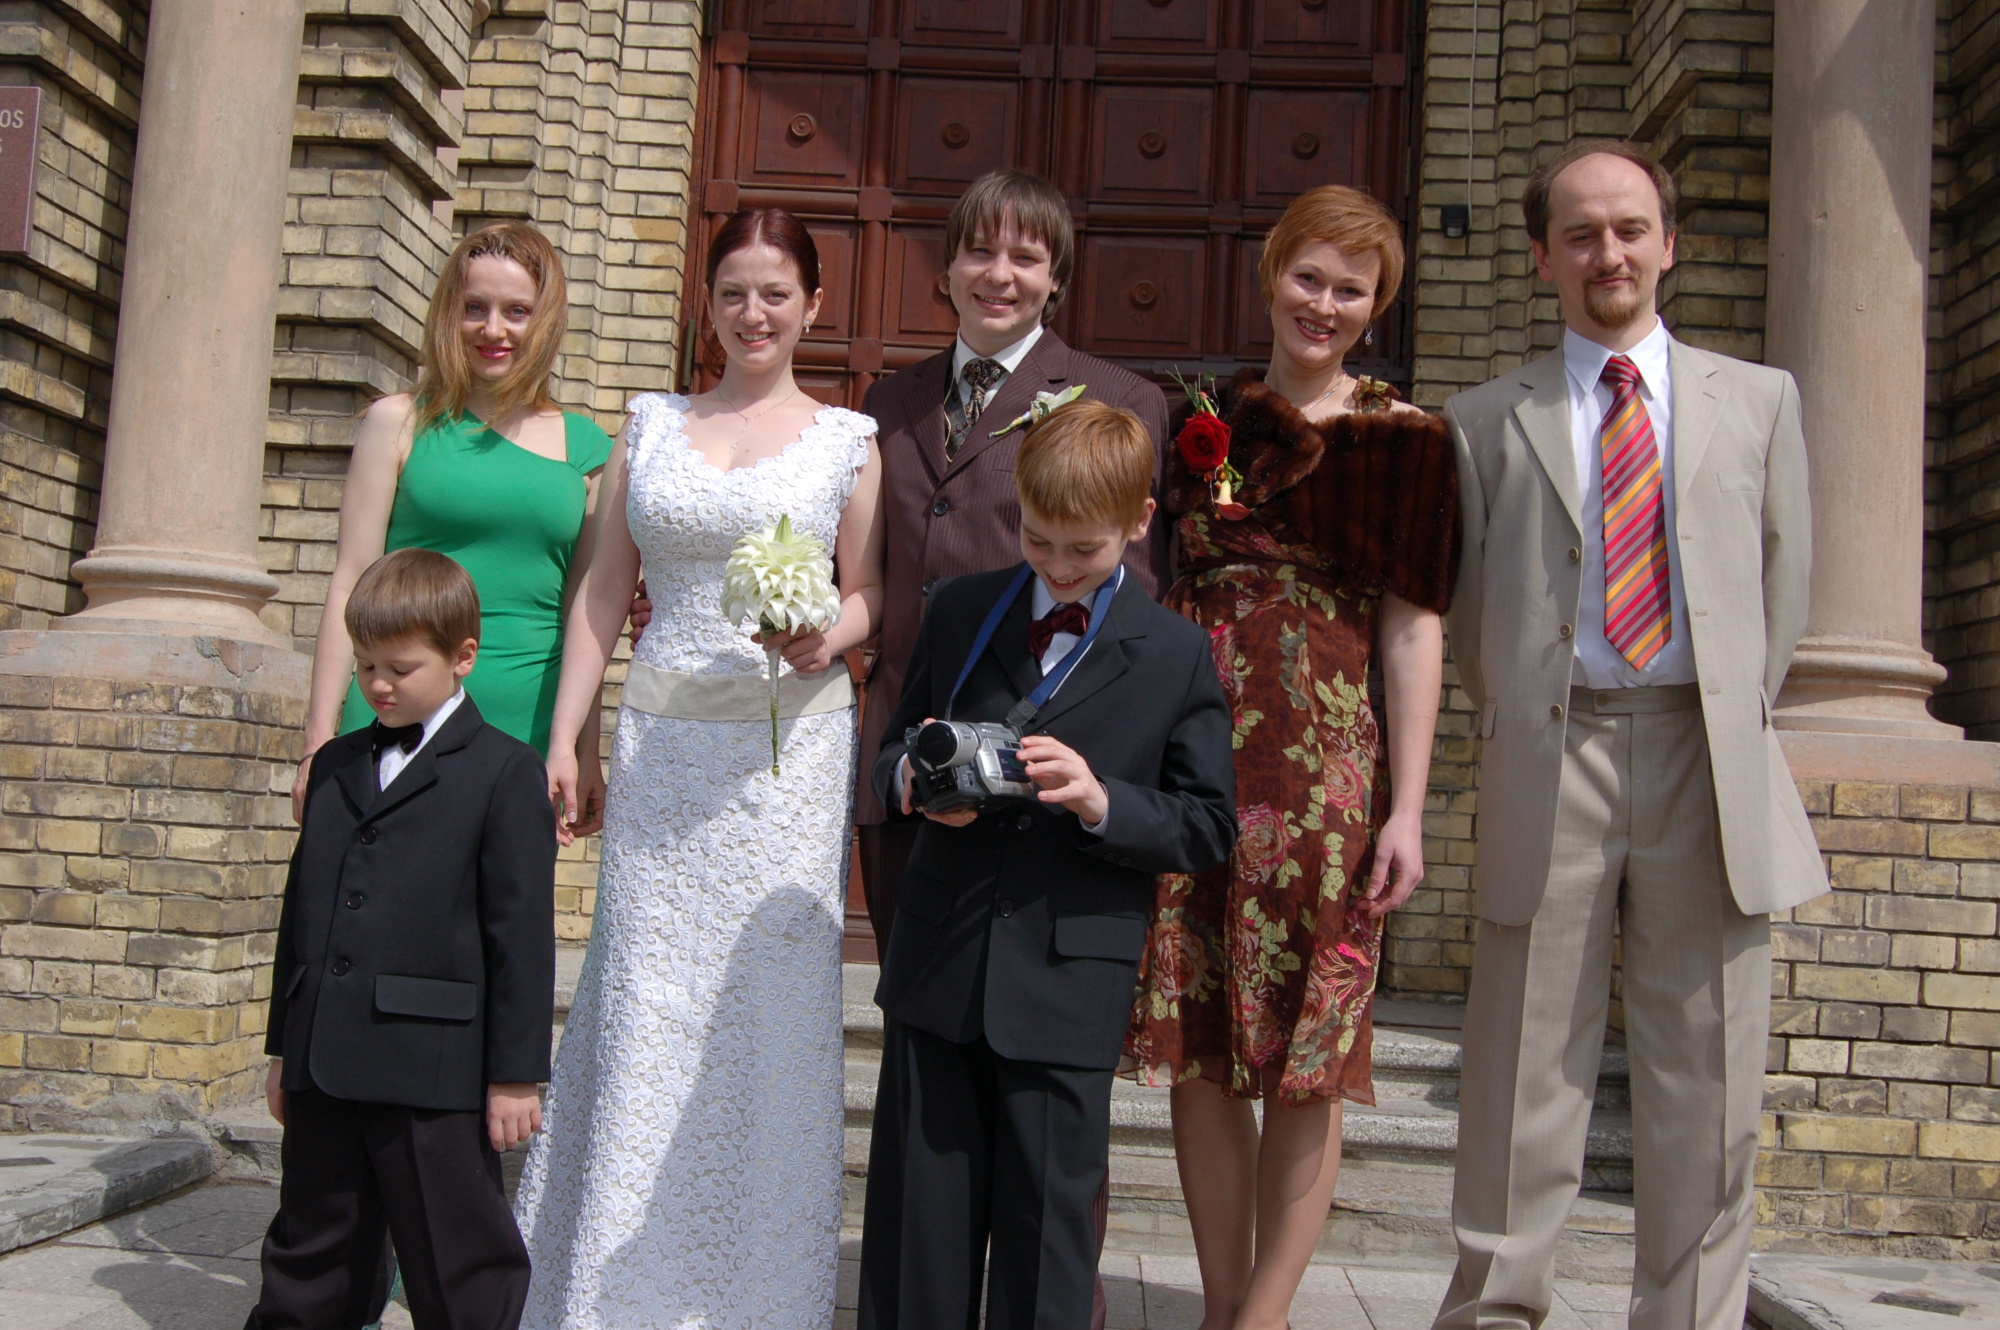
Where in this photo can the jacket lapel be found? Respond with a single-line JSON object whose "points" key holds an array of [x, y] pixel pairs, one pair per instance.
{"points": [[1010, 644], [356, 778], [924, 403], [1104, 662], [1543, 414], [1044, 369], [1699, 394], [421, 773]]}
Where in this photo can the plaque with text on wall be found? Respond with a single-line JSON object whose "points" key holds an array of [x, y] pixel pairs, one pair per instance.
{"points": [[20, 154]]}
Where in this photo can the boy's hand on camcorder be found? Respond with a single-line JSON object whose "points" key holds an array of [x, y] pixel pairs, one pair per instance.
{"points": [[957, 817], [1065, 778]]}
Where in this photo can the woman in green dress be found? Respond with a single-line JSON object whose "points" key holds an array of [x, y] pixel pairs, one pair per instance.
{"points": [[478, 463]]}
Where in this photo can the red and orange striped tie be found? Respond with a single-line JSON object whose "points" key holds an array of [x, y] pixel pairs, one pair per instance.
{"points": [[1638, 614]]}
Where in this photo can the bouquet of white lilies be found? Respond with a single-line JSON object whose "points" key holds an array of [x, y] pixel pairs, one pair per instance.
{"points": [[784, 580]]}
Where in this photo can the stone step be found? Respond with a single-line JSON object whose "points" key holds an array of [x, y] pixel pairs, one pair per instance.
{"points": [[53, 1183], [1390, 1215], [1394, 1129]]}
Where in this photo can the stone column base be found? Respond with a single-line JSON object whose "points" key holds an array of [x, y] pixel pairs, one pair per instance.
{"points": [[145, 828]]}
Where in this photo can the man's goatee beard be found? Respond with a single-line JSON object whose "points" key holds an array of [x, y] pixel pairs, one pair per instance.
{"points": [[1608, 311]]}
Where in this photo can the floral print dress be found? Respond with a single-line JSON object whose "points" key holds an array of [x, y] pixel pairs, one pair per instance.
{"points": [[1259, 975]]}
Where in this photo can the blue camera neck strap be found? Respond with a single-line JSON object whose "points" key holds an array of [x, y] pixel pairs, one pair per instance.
{"points": [[1025, 710]]}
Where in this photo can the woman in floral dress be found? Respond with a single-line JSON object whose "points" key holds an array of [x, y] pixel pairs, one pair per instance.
{"points": [[1318, 528]]}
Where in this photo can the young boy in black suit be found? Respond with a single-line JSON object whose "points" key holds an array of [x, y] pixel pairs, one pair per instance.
{"points": [[1008, 976], [414, 983]]}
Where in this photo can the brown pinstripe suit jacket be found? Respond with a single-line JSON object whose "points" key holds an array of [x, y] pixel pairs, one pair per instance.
{"points": [[946, 519]]}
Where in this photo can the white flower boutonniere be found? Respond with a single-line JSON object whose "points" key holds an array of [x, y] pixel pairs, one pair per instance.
{"points": [[1039, 409], [784, 580]]}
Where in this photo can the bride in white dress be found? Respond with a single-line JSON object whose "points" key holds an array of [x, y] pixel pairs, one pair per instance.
{"points": [[689, 1172]]}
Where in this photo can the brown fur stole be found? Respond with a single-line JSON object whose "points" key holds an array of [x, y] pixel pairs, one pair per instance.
{"points": [[1376, 493]]}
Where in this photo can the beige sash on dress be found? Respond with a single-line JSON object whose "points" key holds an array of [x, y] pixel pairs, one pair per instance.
{"points": [[736, 696]]}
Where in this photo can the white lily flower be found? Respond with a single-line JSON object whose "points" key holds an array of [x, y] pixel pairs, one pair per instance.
{"points": [[784, 580]]}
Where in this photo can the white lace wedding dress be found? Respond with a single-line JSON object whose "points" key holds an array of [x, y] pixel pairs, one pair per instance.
{"points": [[689, 1170]]}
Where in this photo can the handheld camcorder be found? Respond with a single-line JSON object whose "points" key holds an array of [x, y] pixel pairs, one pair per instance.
{"points": [[966, 764]]}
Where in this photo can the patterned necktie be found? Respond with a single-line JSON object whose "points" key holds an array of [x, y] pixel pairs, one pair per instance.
{"points": [[1072, 618], [1638, 614], [979, 376]]}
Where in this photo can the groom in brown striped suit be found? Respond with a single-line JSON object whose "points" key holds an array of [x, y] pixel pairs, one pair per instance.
{"points": [[1637, 553], [948, 482]]}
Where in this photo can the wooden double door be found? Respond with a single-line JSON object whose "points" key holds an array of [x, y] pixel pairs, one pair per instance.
{"points": [[1178, 129]]}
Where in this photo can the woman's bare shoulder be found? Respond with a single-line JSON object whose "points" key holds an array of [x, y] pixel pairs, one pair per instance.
{"points": [[395, 409]]}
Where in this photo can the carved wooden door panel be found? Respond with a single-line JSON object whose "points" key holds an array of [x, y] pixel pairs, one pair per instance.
{"points": [[1178, 129]]}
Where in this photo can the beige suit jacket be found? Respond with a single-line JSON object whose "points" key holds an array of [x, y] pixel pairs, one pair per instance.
{"points": [[1745, 530]]}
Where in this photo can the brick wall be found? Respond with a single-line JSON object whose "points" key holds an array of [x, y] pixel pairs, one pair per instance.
{"points": [[1962, 518], [142, 863], [58, 302], [580, 117], [1882, 1121]]}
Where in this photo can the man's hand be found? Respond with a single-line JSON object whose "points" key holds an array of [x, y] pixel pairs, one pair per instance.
{"points": [[274, 1091], [641, 612], [1065, 778], [590, 791], [513, 1113], [957, 817]]}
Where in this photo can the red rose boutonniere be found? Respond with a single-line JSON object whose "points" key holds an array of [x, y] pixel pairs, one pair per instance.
{"points": [[1204, 446]]}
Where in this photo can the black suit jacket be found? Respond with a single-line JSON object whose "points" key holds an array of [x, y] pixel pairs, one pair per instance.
{"points": [[416, 951], [1024, 927]]}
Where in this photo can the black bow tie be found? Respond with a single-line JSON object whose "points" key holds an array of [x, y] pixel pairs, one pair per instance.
{"points": [[1070, 618], [405, 737]]}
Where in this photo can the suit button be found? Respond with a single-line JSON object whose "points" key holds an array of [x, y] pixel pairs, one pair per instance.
{"points": [[1024, 821], [354, 900], [1575, 554], [930, 586], [366, 835], [1565, 631], [1005, 909], [341, 967], [1556, 711], [941, 507]]}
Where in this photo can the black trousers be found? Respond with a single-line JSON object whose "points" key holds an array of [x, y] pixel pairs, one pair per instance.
{"points": [[974, 1154], [428, 1180]]}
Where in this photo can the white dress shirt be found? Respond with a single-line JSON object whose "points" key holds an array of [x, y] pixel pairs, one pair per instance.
{"points": [[394, 759], [1597, 663], [1009, 357], [1041, 604]]}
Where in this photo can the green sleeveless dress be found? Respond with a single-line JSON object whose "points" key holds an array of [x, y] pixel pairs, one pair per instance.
{"points": [[511, 517]]}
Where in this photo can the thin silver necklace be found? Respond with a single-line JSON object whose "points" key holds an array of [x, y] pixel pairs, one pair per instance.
{"points": [[738, 440], [1306, 407]]}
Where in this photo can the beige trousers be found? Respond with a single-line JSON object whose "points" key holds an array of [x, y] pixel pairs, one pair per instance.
{"points": [[1636, 844]]}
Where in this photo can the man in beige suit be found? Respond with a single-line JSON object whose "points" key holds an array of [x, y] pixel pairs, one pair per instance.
{"points": [[1634, 580]]}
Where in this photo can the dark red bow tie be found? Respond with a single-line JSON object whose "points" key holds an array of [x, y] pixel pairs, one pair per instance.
{"points": [[1070, 618]]}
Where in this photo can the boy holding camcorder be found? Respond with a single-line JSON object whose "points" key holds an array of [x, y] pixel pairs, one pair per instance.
{"points": [[1008, 974]]}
